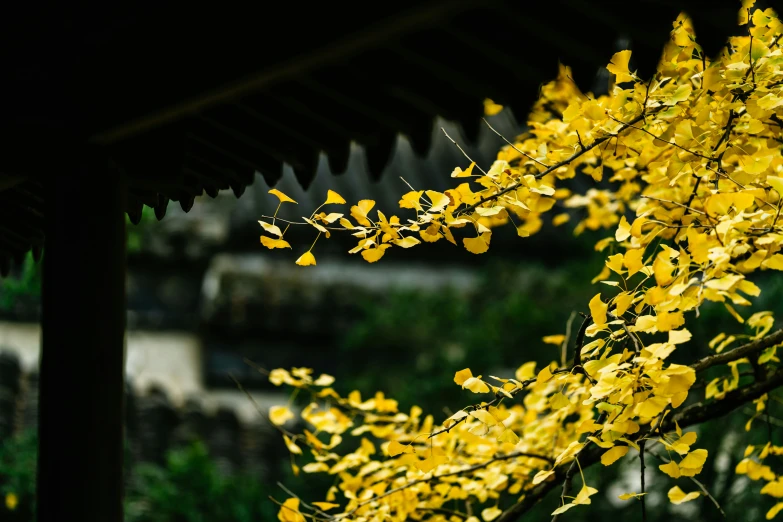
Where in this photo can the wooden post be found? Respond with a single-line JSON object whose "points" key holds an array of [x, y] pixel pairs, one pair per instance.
{"points": [[80, 425]]}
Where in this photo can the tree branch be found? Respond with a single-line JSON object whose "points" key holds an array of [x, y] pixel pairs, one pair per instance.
{"points": [[695, 414], [739, 352]]}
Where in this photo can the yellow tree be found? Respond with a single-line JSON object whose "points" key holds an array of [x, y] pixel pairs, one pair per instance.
{"points": [[694, 158]]}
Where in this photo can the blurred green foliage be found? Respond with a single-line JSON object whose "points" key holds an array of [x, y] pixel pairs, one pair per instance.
{"points": [[26, 284], [188, 488], [191, 489]]}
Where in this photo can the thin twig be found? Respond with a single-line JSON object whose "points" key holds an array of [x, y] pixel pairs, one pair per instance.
{"points": [[462, 150], [525, 154], [693, 479], [554, 167], [641, 460]]}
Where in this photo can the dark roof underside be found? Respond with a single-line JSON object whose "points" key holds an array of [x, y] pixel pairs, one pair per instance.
{"points": [[196, 101]]}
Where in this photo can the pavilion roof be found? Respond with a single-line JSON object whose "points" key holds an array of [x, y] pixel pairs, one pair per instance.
{"points": [[198, 100]]}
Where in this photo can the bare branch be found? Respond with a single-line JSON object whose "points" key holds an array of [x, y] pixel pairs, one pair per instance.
{"points": [[739, 352]]}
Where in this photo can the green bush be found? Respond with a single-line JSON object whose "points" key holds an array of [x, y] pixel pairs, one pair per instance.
{"points": [[190, 489]]}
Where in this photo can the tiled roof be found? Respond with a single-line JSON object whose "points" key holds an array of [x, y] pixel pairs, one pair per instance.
{"points": [[193, 101]]}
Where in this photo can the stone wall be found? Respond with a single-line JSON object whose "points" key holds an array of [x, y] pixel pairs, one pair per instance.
{"points": [[154, 424]]}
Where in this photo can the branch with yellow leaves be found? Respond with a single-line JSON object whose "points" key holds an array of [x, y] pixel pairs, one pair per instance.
{"points": [[692, 415]]}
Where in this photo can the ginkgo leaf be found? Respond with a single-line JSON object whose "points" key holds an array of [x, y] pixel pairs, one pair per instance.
{"points": [[406, 242], [282, 197], [315, 467], [678, 496], [459, 173], [509, 436], [477, 245], [619, 66], [289, 511], [463, 375], [623, 230], [774, 510], [611, 456], [542, 476], [394, 448], [306, 259], [438, 200], [558, 400], [598, 310], [475, 385], [371, 255], [272, 229], [628, 496], [562, 509], [491, 513], [325, 506], [333, 197], [279, 415], [291, 445], [274, 243], [360, 210], [583, 497], [554, 339]]}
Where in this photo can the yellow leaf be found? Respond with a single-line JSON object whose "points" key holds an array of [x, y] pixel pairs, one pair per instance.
{"points": [[306, 259], [475, 385], [272, 229], [282, 197], [679, 336], [628, 496], [315, 467], [598, 310], [542, 476], [274, 243], [560, 219], [776, 183], [734, 313], [583, 497], [544, 375], [412, 200], [463, 375], [772, 513], [371, 255], [490, 514], [554, 339], [289, 511], [360, 210], [619, 66], [325, 506], [609, 457], [333, 197], [562, 509], [406, 242], [509, 436], [279, 415], [623, 230], [558, 401], [695, 459], [477, 245], [439, 201], [459, 173], [526, 371], [632, 259], [678, 496], [671, 468], [775, 262], [395, 448], [491, 108], [291, 445]]}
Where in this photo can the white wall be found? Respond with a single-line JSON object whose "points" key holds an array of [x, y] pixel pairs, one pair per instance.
{"points": [[171, 360]]}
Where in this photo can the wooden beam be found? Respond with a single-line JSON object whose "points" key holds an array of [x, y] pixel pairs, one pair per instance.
{"points": [[388, 30], [81, 397]]}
